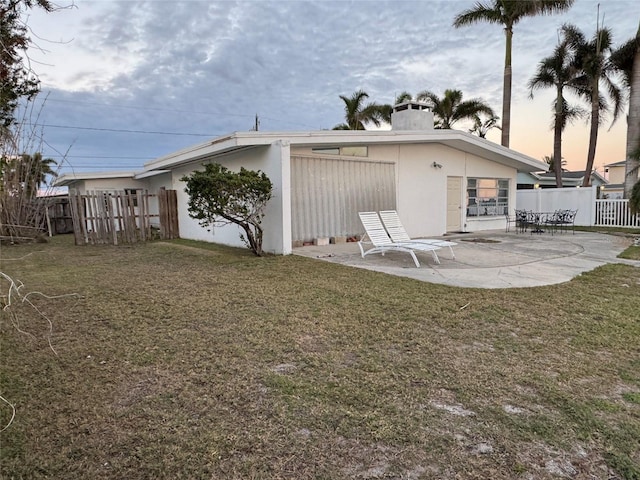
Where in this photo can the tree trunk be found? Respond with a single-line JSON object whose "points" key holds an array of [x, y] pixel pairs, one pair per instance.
{"points": [[593, 140], [506, 89], [557, 140], [632, 165], [254, 237], [593, 133]]}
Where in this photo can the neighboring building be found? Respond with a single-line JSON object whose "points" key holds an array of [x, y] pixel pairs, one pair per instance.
{"points": [[529, 180], [128, 182], [438, 180], [615, 173], [113, 181]]}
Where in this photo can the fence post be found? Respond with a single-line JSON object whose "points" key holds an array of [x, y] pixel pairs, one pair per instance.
{"points": [[592, 204]]}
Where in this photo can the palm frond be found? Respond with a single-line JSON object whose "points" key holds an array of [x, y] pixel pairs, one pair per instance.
{"points": [[480, 12]]}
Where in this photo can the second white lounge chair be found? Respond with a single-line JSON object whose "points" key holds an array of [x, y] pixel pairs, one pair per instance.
{"points": [[398, 234], [379, 238]]}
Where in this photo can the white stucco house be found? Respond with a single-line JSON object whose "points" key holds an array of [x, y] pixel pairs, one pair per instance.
{"points": [[439, 181], [616, 174]]}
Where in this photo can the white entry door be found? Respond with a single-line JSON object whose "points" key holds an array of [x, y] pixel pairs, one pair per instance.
{"points": [[454, 204]]}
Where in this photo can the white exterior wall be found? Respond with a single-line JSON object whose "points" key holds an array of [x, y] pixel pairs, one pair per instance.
{"points": [[272, 160], [616, 174], [422, 188], [112, 184]]}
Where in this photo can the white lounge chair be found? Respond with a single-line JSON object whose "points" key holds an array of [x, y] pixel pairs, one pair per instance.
{"points": [[379, 238], [398, 234]]}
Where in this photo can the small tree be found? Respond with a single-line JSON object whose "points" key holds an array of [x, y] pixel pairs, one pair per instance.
{"points": [[218, 196]]}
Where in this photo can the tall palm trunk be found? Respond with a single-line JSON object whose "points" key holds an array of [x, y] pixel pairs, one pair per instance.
{"points": [[595, 113], [632, 165], [557, 138], [593, 136], [506, 87]]}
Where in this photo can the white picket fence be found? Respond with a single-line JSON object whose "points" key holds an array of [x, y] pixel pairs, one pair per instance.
{"points": [[615, 213], [591, 210]]}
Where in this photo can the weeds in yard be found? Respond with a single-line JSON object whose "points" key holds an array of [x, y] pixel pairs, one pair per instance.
{"points": [[191, 361]]}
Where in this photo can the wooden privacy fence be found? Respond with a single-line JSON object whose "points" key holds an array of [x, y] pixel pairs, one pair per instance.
{"points": [[115, 217]]}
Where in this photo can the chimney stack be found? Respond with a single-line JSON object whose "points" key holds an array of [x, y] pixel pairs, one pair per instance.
{"points": [[412, 116]]}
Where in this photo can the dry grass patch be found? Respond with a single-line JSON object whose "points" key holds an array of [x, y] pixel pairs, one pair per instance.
{"points": [[178, 363]]}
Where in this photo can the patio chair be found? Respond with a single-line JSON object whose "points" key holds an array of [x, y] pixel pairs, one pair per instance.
{"points": [[568, 219], [519, 220], [398, 234], [553, 221], [379, 238]]}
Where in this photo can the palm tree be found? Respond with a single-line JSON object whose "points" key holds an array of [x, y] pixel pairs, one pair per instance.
{"points": [[33, 170], [357, 114], [450, 108], [595, 68], [483, 123], [386, 110], [627, 60], [403, 97], [551, 161], [508, 13], [558, 71]]}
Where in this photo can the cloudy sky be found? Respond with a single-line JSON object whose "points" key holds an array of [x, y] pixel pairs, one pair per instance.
{"points": [[124, 82]]}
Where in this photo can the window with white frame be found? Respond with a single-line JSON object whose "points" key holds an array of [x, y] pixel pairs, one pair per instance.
{"points": [[487, 197]]}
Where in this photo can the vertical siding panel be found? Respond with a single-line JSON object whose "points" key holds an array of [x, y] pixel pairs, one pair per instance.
{"points": [[328, 193]]}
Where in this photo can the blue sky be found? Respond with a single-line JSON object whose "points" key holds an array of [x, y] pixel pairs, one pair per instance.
{"points": [[193, 70]]}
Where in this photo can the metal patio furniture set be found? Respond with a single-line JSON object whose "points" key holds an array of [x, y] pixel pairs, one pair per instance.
{"points": [[539, 222]]}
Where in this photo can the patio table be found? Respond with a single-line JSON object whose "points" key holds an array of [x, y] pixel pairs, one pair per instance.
{"points": [[537, 220], [532, 220]]}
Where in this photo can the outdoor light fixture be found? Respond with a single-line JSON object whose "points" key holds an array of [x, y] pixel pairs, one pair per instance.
{"points": [[436, 165], [536, 185]]}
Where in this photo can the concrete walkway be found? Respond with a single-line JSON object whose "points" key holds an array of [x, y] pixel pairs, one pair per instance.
{"points": [[492, 259]]}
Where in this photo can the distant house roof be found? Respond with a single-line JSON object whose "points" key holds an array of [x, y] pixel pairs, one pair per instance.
{"points": [[68, 178], [566, 174], [616, 164], [569, 179]]}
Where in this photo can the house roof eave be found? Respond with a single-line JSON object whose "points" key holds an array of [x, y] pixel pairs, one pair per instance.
{"points": [[457, 139], [68, 179]]}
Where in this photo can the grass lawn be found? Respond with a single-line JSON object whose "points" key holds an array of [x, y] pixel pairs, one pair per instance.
{"points": [[631, 253], [184, 361]]}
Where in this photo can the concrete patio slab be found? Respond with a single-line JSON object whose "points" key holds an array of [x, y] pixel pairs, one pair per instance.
{"points": [[491, 259]]}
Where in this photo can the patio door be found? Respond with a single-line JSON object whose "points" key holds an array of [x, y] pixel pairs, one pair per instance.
{"points": [[454, 204]]}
